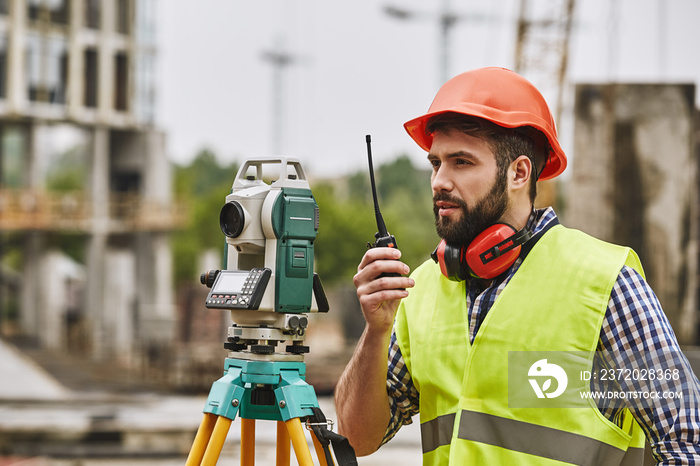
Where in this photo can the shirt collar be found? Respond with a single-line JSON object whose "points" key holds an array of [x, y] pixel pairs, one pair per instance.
{"points": [[541, 218]]}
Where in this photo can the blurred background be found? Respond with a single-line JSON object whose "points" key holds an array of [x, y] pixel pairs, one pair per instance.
{"points": [[122, 126]]}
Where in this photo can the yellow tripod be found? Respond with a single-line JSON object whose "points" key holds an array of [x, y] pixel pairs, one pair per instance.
{"points": [[212, 432], [270, 390]]}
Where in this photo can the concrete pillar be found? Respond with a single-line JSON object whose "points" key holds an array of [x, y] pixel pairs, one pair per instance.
{"points": [[33, 293], [156, 301], [94, 294], [158, 296], [76, 78], [120, 316], [635, 183], [16, 79], [52, 318], [31, 302], [157, 170], [97, 243], [106, 85]]}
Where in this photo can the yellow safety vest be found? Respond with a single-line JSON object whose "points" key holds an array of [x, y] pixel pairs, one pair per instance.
{"points": [[555, 302]]}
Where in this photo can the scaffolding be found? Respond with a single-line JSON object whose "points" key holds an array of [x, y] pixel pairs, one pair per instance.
{"points": [[35, 210], [542, 47]]}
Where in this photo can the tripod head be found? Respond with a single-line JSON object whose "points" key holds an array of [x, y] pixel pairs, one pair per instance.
{"points": [[270, 221]]}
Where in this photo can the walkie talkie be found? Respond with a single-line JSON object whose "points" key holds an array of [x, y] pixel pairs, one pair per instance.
{"points": [[382, 239]]}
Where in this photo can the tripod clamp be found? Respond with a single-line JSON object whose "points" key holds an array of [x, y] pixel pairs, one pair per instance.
{"points": [[245, 383], [311, 425]]}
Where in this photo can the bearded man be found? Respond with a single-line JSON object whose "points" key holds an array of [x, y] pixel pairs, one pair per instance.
{"points": [[506, 283]]}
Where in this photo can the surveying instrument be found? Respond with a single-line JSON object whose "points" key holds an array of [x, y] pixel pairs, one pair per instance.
{"points": [[270, 221]]}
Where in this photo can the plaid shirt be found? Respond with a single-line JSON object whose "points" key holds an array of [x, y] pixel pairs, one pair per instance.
{"points": [[634, 323]]}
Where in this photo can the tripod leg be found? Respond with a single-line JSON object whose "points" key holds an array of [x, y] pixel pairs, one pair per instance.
{"points": [[247, 442], [216, 443], [201, 439], [301, 448], [282, 445]]}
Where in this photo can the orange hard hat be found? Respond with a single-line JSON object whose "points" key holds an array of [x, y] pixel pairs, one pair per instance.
{"points": [[500, 96]]}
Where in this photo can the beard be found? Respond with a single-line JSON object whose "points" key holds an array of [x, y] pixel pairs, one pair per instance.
{"points": [[484, 213]]}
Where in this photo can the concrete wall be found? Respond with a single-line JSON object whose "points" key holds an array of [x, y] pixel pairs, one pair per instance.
{"points": [[634, 182]]}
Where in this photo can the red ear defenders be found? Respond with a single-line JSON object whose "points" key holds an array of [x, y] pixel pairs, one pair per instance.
{"points": [[491, 253]]}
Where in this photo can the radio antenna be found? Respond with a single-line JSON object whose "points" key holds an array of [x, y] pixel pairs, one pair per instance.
{"points": [[381, 226]]}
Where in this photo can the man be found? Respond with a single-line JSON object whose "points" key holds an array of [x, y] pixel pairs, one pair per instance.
{"points": [[508, 280]]}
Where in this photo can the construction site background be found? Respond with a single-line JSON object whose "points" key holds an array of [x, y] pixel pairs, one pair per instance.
{"points": [[106, 351]]}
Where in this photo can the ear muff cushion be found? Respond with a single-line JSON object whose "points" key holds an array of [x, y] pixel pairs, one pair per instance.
{"points": [[449, 258], [481, 261]]}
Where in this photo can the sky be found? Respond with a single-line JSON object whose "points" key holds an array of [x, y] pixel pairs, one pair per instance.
{"points": [[355, 70]]}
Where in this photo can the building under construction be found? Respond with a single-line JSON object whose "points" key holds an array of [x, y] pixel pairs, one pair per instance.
{"points": [[81, 163]]}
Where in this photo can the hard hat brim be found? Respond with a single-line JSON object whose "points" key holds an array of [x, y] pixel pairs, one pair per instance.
{"points": [[555, 165]]}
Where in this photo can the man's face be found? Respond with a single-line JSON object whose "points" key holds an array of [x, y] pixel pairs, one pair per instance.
{"points": [[468, 196]]}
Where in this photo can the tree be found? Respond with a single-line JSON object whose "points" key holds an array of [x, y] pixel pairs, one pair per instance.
{"points": [[348, 223], [345, 227], [203, 184]]}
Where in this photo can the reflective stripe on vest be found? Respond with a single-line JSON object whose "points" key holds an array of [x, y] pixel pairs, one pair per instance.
{"points": [[437, 432], [528, 438], [524, 437]]}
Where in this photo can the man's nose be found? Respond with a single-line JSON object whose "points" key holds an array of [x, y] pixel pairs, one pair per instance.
{"points": [[441, 180]]}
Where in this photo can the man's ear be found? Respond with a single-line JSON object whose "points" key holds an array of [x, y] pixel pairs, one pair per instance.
{"points": [[519, 173]]}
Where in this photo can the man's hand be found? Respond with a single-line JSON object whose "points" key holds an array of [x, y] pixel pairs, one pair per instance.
{"points": [[361, 400], [380, 296]]}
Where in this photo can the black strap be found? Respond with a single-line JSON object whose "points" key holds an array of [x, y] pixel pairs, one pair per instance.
{"points": [[344, 452]]}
